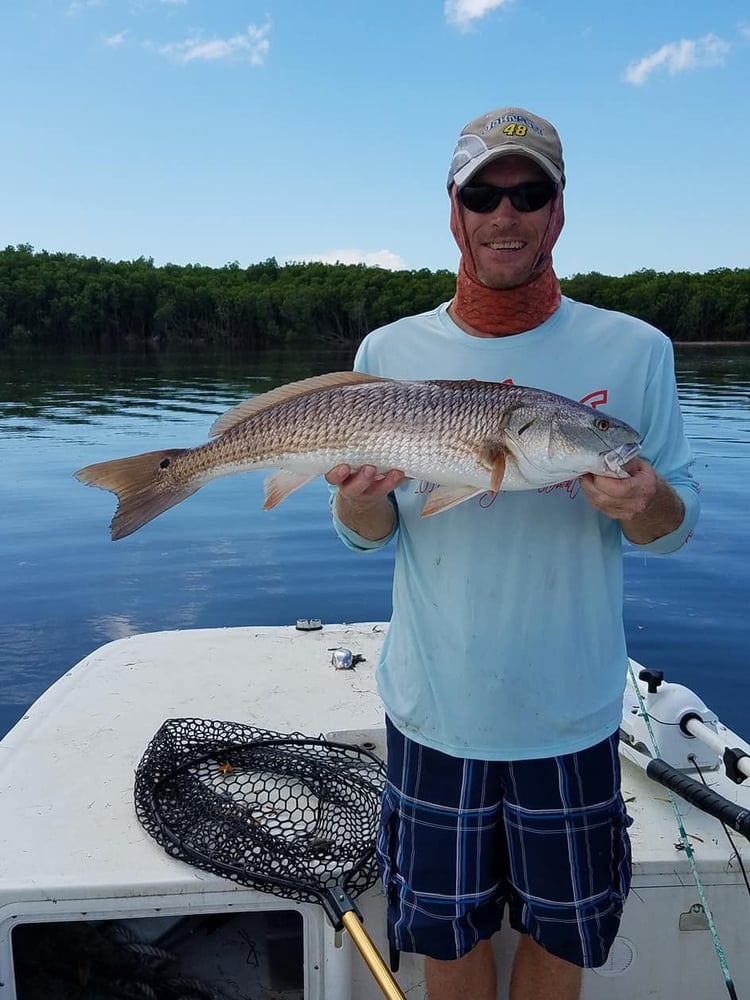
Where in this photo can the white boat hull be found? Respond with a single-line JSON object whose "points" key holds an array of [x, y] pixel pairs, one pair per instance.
{"points": [[71, 848]]}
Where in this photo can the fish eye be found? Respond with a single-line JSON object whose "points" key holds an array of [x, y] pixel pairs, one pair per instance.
{"points": [[602, 424]]}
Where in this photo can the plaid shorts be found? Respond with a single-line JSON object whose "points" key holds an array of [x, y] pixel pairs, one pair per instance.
{"points": [[460, 840]]}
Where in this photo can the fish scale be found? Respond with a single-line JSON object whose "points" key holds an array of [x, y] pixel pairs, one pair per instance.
{"points": [[414, 426], [360, 427], [464, 436]]}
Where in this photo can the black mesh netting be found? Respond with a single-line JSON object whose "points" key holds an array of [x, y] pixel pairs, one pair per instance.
{"points": [[285, 813]]}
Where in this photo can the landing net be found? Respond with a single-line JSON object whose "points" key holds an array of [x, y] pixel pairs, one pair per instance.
{"points": [[288, 814]]}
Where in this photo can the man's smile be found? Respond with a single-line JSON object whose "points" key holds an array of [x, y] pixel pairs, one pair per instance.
{"points": [[506, 244]]}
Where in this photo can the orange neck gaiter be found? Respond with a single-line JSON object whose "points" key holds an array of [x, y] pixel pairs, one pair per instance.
{"points": [[500, 312]]}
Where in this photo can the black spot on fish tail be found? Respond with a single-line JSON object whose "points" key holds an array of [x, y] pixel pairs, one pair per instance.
{"points": [[142, 490]]}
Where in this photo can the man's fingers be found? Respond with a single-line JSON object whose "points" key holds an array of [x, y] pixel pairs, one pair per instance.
{"points": [[338, 474], [365, 481], [634, 465], [390, 480], [622, 498]]}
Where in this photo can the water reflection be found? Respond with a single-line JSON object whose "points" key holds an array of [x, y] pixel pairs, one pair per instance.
{"points": [[219, 560]]}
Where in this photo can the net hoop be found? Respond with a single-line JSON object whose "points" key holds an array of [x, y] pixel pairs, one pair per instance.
{"points": [[288, 814]]}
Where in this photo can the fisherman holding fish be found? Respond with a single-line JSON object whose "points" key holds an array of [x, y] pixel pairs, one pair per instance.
{"points": [[504, 666]]}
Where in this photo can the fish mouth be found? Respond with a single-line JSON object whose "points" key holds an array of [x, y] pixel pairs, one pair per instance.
{"points": [[617, 457]]}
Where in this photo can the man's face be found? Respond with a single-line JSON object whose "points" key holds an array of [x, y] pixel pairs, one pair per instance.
{"points": [[505, 243]]}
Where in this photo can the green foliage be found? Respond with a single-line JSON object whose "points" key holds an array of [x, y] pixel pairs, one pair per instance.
{"points": [[89, 302], [93, 303], [714, 306]]}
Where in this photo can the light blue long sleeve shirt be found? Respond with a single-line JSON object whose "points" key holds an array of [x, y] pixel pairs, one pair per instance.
{"points": [[506, 640]]}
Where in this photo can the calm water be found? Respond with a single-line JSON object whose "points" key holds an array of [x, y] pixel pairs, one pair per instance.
{"points": [[219, 560]]}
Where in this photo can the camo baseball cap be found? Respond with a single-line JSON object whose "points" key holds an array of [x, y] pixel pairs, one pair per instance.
{"points": [[500, 133]]}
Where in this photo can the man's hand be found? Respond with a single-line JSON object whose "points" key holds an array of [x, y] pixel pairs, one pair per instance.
{"points": [[645, 504], [362, 502]]}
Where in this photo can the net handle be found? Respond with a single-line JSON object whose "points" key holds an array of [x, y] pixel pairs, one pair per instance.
{"points": [[371, 956]]}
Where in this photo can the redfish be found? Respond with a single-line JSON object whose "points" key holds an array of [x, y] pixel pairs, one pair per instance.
{"points": [[466, 436]]}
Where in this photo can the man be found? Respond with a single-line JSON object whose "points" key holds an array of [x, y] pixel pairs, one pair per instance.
{"points": [[504, 665]]}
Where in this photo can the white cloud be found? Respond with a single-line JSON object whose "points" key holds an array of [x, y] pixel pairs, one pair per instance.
{"points": [[114, 41], [463, 12], [373, 258], [745, 30], [76, 7], [251, 46], [678, 57]]}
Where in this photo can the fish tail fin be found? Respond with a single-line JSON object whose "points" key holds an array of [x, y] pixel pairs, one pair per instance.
{"points": [[144, 485]]}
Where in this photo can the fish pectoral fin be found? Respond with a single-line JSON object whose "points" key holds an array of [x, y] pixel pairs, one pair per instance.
{"points": [[446, 497], [278, 486], [494, 460], [497, 472]]}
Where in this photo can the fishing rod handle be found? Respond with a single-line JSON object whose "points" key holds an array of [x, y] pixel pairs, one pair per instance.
{"points": [[372, 957], [700, 795]]}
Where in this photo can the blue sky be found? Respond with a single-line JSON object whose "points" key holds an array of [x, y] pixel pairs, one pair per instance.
{"points": [[209, 131]]}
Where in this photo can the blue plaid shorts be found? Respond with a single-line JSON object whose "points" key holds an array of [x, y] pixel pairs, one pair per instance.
{"points": [[460, 840]]}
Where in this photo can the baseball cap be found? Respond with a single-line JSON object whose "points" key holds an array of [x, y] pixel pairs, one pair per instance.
{"points": [[500, 133]]}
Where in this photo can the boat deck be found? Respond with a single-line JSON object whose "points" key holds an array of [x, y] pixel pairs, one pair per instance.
{"points": [[70, 843]]}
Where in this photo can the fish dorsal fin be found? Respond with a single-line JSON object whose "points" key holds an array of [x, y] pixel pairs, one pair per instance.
{"points": [[283, 393]]}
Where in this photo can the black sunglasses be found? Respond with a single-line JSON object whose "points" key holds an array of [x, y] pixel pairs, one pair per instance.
{"points": [[527, 197]]}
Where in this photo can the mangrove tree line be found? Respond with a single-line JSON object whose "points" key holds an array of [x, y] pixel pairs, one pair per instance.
{"points": [[68, 300]]}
